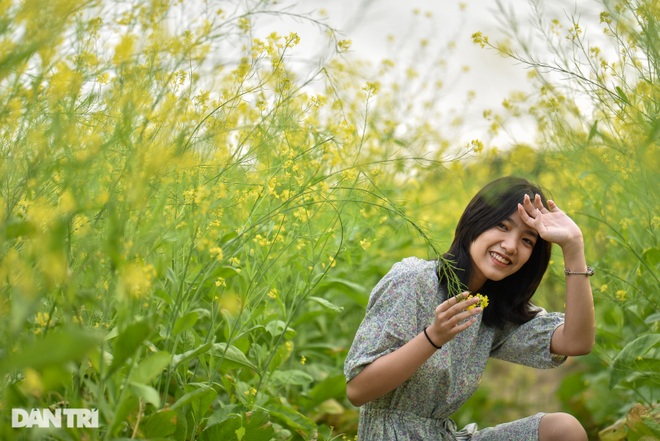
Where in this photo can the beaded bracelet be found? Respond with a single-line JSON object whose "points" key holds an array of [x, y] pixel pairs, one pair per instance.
{"points": [[431, 341], [589, 272]]}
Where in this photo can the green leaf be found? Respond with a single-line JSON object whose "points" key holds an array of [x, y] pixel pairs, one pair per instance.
{"points": [[330, 387], [343, 285], [258, 426], [199, 393], [151, 367], [225, 272], [193, 353], [160, 424], [171, 276], [652, 318], [229, 236], [231, 353], [222, 414], [225, 431], [622, 94], [652, 258], [56, 348], [127, 404], [202, 402], [640, 352], [277, 327], [352, 290], [251, 426], [127, 342], [291, 377], [326, 304], [292, 419], [148, 393], [186, 322], [282, 354]]}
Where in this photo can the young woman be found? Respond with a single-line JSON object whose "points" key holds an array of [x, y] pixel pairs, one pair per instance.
{"points": [[419, 353]]}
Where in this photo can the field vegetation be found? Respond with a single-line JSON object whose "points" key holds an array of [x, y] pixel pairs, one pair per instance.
{"points": [[191, 222]]}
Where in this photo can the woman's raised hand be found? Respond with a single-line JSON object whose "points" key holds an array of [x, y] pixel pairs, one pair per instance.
{"points": [[453, 317], [552, 224]]}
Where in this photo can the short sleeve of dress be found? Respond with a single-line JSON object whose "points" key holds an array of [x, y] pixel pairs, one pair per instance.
{"points": [[529, 344], [391, 319]]}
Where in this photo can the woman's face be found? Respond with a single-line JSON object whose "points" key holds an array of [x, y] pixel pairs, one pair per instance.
{"points": [[501, 250]]}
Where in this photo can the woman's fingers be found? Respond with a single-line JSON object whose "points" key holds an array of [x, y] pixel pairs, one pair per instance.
{"points": [[532, 207], [451, 315], [524, 215], [463, 326], [458, 318], [453, 302], [528, 207], [552, 206], [538, 203], [457, 303]]}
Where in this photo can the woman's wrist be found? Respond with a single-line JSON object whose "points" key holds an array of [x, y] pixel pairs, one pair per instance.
{"points": [[431, 340], [574, 246]]}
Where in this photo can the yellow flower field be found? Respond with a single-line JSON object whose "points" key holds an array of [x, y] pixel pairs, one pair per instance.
{"points": [[190, 226]]}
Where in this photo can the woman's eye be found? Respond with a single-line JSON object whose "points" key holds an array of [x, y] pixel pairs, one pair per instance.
{"points": [[501, 226], [529, 242]]}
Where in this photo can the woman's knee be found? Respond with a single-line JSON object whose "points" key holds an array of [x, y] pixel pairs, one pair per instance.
{"points": [[561, 427]]}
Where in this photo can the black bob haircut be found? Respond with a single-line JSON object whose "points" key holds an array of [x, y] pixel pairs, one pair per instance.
{"points": [[509, 297]]}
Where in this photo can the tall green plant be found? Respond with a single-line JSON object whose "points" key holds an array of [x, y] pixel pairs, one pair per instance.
{"points": [[595, 102], [174, 203]]}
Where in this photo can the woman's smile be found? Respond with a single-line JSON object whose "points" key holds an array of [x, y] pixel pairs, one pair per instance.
{"points": [[500, 259]]}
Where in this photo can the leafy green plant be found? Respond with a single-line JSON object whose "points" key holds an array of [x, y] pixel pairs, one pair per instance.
{"points": [[171, 219], [190, 227], [595, 105]]}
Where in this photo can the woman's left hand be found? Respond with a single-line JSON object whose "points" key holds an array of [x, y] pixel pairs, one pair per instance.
{"points": [[552, 224]]}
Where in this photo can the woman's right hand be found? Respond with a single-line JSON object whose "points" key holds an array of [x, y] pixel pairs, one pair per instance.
{"points": [[393, 369], [453, 317]]}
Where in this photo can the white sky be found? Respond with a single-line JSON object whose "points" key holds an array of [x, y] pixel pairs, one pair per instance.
{"points": [[367, 23]]}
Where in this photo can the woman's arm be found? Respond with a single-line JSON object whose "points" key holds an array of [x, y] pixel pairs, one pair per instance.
{"points": [[576, 336], [390, 371]]}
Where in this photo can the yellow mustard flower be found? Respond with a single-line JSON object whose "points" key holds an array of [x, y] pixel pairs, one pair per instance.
{"points": [[483, 301]]}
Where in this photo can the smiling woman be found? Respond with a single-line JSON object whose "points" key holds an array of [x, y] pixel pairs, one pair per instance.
{"points": [[420, 350], [491, 228]]}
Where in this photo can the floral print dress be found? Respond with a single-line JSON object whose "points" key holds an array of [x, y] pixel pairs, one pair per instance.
{"points": [[400, 306]]}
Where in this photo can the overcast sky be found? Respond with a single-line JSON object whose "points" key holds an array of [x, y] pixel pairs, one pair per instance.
{"points": [[368, 23], [381, 29]]}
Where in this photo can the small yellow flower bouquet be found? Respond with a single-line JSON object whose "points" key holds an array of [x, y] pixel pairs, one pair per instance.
{"points": [[483, 301]]}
